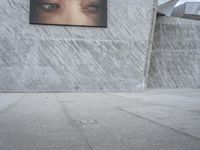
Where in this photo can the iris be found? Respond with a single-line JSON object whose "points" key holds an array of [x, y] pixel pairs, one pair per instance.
{"points": [[50, 6]]}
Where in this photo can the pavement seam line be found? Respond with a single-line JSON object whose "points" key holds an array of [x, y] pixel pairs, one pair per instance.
{"points": [[72, 123], [155, 122]]}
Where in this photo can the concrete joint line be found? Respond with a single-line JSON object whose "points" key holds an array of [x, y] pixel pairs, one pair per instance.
{"points": [[72, 122], [155, 122]]}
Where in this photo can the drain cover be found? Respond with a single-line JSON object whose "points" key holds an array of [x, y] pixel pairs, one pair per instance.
{"points": [[88, 122]]}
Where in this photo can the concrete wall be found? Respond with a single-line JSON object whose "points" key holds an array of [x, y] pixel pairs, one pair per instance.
{"points": [[175, 61], [189, 10], [36, 58]]}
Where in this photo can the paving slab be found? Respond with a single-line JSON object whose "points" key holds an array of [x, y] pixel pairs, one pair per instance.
{"points": [[153, 120]]}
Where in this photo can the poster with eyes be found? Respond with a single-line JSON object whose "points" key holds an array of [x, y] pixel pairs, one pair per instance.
{"points": [[91, 13]]}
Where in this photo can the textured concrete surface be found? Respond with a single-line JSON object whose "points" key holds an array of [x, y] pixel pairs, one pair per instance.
{"points": [[36, 58], [154, 120], [161, 2], [166, 8], [175, 61]]}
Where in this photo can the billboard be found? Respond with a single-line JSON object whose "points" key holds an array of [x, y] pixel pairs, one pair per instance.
{"points": [[69, 12]]}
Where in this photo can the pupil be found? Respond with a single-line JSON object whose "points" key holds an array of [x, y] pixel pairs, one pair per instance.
{"points": [[52, 6]]}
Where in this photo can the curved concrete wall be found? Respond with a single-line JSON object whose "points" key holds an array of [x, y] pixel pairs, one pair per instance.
{"points": [[167, 7], [36, 58], [175, 61]]}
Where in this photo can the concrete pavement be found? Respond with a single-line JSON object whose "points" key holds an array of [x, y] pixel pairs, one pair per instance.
{"points": [[153, 120]]}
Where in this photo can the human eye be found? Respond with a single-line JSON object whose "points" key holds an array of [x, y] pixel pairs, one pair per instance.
{"points": [[92, 8], [50, 6]]}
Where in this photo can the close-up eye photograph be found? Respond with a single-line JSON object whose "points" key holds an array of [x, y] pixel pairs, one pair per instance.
{"points": [[69, 12]]}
